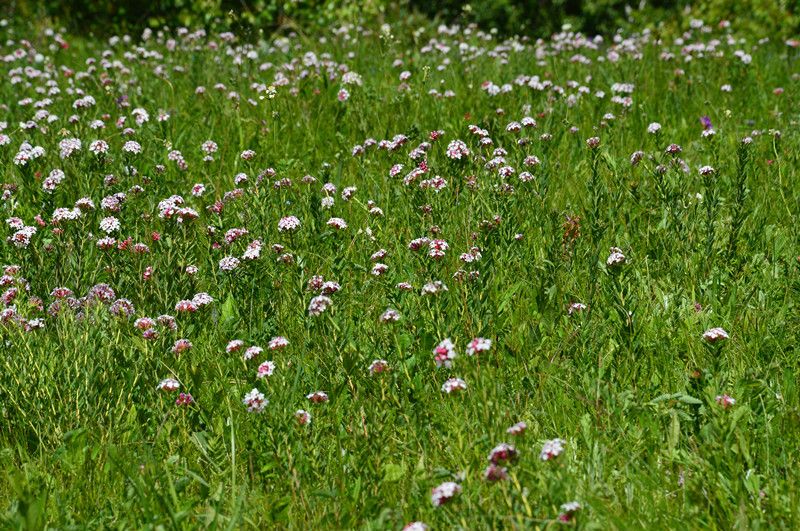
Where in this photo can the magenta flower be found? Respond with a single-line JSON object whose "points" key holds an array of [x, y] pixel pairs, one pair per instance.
{"points": [[184, 399], [444, 493], [714, 335], [725, 401], [444, 353]]}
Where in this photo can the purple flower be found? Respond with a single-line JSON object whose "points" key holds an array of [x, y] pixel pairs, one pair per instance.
{"points": [[706, 121]]}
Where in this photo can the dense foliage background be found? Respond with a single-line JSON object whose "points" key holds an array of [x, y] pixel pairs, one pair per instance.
{"points": [[774, 18]]}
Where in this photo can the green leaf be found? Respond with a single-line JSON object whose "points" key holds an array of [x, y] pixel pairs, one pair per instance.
{"points": [[674, 431], [686, 399], [229, 312], [393, 472]]}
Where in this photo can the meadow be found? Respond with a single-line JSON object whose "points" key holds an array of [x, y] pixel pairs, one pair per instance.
{"points": [[399, 277]]}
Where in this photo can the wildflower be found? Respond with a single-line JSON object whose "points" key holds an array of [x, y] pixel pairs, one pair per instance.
{"points": [[415, 526], [352, 78], [552, 449], [184, 399], [495, 473], [9, 296], [9, 314], [444, 493], [337, 223], [444, 353], [229, 263], [517, 429], [234, 345], [654, 128], [379, 269], [478, 345], [456, 150], [502, 453], [169, 384], [144, 323], [132, 147], [121, 308], [706, 170], [168, 322], [714, 335], [390, 316], [185, 306], [181, 346], [289, 223], [725, 401], [303, 417], [378, 366], [317, 397], [253, 250], [265, 369], [252, 352], [673, 149], [234, 234], [437, 248], [15, 223], [208, 147], [593, 142], [330, 287], [278, 342], [568, 511], [348, 192], [84, 204], [453, 384], [109, 224], [616, 258], [318, 305], [255, 401], [101, 292], [434, 288], [315, 283], [575, 307], [33, 324], [68, 146], [418, 243], [99, 147], [202, 299]]}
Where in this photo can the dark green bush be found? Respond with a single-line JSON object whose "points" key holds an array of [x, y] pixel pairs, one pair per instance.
{"points": [[766, 18], [544, 17], [107, 16], [774, 18]]}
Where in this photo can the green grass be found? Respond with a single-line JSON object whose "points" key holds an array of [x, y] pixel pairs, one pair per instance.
{"points": [[87, 441]]}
